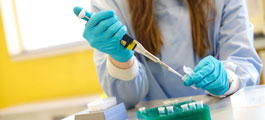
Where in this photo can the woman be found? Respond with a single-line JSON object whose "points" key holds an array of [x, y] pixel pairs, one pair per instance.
{"points": [[212, 36]]}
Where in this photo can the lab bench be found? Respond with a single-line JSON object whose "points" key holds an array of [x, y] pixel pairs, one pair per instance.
{"points": [[246, 104], [220, 109]]}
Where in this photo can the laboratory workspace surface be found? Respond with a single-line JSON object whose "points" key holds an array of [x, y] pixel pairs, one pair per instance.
{"points": [[246, 104], [53, 76]]}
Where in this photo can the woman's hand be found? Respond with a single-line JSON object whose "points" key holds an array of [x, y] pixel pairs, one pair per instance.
{"points": [[209, 75], [104, 31]]}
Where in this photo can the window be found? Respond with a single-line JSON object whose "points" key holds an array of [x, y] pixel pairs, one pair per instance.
{"points": [[35, 28]]}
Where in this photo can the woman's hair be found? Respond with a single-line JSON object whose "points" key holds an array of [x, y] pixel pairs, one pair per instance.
{"points": [[147, 31]]}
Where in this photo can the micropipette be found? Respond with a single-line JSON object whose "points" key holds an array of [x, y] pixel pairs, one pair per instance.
{"points": [[132, 44]]}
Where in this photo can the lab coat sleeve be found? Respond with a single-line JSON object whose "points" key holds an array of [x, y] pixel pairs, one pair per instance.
{"points": [[128, 91], [123, 74], [235, 46]]}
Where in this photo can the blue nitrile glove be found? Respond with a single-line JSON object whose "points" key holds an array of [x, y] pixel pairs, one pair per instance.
{"points": [[209, 75], [104, 31]]}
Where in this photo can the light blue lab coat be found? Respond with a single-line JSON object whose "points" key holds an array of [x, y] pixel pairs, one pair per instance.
{"points": [[231, 40]]}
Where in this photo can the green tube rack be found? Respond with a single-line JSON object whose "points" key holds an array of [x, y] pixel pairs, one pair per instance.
{"points": [[199, 113]]}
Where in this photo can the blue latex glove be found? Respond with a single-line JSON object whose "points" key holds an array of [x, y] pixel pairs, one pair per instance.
{"points": [[209, 75], [104, 31]]}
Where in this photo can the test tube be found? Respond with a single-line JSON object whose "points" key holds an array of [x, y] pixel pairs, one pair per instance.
{"points": [[161, 110], [188, 72], [185, 107], [199, 104], [142, 110], [170, 110], [192, 106]]}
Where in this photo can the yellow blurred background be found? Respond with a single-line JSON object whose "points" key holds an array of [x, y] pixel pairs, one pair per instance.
{"points": [[68, 75], [73, 74]]}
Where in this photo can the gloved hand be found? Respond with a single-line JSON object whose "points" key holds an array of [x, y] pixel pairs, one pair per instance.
{"points": [[209, 75], [104, 31]]}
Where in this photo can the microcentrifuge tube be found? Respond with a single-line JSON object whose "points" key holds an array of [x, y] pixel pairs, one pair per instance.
{"points": [[187, 70], [161, 110], [199, 104], [170, 109], [142, 110], [192, 106], [185, 107]]}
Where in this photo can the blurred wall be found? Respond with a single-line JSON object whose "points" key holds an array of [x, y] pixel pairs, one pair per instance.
{"points": [[45, 78]]}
